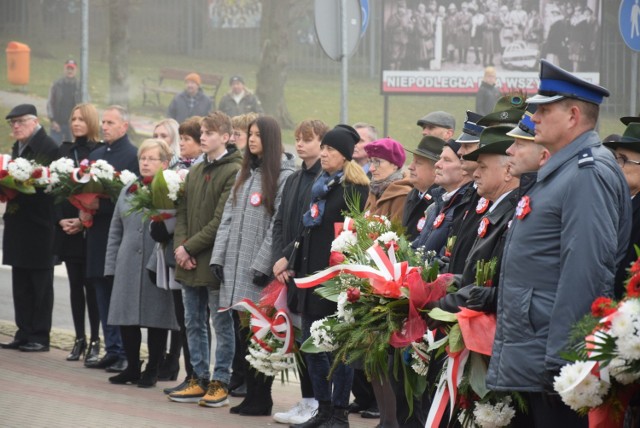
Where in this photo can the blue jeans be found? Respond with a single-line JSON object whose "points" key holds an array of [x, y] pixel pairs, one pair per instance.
{"points": [[195, 300], [319, 364], [225, 338], [112, 340]]}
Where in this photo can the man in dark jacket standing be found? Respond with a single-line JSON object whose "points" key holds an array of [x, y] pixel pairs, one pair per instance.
{"points": [[28, 238], [239, 100], [121, 154], [64, 95], [190, 102]]}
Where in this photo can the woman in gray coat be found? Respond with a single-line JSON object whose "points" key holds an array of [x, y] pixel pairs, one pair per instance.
{"points": [[242, 256], [135, 301]]}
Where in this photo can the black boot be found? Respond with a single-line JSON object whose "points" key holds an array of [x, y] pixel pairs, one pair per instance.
{"points": [[79, 348], [169, 367], [249, 396], [339, 419], [148, 378], [93, 353], [323, 415], [259, 389], [130, 375]]}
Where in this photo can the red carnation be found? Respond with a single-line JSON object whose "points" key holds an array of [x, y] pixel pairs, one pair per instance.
{"points": [[133, 188], [633, 286], [37, 173], [635, 267], [4, 173], [147, 180], [373, 235], [84, 168], [602, 306], [353, 294]]}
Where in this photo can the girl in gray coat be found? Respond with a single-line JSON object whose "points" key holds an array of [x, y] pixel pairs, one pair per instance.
{"points": [[242, 256], [135, 301]]}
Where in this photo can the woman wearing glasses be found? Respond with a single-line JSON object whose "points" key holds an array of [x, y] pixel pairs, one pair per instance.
{"points": [[70, 245], [136, 302]]}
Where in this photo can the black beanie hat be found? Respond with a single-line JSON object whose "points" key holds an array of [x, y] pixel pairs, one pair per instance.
{"points": [[454, 145], [343, 138]]}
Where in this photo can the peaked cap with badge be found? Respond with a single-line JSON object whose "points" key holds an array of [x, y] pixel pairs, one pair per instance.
{"points": [[557, 84], [526, 129], [508, 109], [471, 130]]}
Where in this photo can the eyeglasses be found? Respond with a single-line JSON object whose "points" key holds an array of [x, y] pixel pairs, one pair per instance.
{"points": [[150, 159], [376, 162], [20, 122], [623, 160]]}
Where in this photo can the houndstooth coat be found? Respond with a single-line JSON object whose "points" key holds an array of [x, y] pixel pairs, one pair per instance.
{"points": [[243, 242]]}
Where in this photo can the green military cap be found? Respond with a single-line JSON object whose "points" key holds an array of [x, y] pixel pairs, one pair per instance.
{"points": [[493, 140], [508, 109], [629, 140]]}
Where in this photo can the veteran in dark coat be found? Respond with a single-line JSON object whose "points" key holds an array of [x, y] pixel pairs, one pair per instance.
{"points": [[28, 238], [627, 153], [422, 174]]}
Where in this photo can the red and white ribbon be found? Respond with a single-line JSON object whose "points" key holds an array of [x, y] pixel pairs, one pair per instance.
{"points": [[280, 326], [387, 269], [447, 388]]}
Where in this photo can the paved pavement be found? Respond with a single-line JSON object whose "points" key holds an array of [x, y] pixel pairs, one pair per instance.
{"points": [[45, 390]]}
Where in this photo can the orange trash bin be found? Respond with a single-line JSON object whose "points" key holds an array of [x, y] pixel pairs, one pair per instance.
{"points": [[18, 57]]}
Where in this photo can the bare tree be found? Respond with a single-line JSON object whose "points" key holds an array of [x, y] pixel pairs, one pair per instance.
{"points": [[272, 74], [119, 12]]}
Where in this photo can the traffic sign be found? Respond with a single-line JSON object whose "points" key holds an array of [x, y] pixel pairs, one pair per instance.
{"points": [[328, 26], [629, 23]]}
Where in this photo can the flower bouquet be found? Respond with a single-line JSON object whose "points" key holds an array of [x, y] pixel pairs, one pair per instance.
{"points": [[84, 184], [606, 368], [273, 347], [157, 197], [20, 176], [380, 284]]}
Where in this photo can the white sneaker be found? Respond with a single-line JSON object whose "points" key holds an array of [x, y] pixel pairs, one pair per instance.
{"points": [[298, 414]]}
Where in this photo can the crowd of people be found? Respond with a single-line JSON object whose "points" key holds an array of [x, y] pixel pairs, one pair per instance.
{"points": [[529, 184]]}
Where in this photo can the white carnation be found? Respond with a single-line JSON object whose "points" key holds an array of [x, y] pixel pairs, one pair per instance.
{"points": [[20, 169], [621, 372], [489, 415], [103, 170], [174, 182], [588, 393], [629, 347], [387, 237], [62, 166], [345, 240], [622, 325], [321, 335], [127, 176]]}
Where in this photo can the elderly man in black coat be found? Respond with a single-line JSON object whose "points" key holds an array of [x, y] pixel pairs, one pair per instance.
{"points": [[121, 154], [28, 238]]}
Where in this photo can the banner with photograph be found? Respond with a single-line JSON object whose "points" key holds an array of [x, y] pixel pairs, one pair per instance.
{"points": [[438, 46]]}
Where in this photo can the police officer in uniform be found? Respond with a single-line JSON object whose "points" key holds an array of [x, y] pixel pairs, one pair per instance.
{"points": [[568, 235]]}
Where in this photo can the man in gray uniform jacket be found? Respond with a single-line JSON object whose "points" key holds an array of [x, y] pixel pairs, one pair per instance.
{"points": [[568, 235]]}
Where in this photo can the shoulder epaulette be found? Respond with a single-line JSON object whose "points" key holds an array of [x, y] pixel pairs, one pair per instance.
{"points": [[585, 158]]}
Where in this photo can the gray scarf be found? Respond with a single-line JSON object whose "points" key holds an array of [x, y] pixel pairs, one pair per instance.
{"points": [[377, 187]]}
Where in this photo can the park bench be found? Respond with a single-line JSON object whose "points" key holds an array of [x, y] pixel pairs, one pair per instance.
{"points": [[150, 86]]}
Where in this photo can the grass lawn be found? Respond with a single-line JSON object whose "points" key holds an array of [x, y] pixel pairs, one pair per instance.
{"points": [[307, 95]]}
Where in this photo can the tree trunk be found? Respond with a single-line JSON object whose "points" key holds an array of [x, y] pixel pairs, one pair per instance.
{"points": [[119, 11], [272, 74]]}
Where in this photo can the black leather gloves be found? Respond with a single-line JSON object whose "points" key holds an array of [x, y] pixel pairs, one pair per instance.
{"points": [[218, 272]]}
